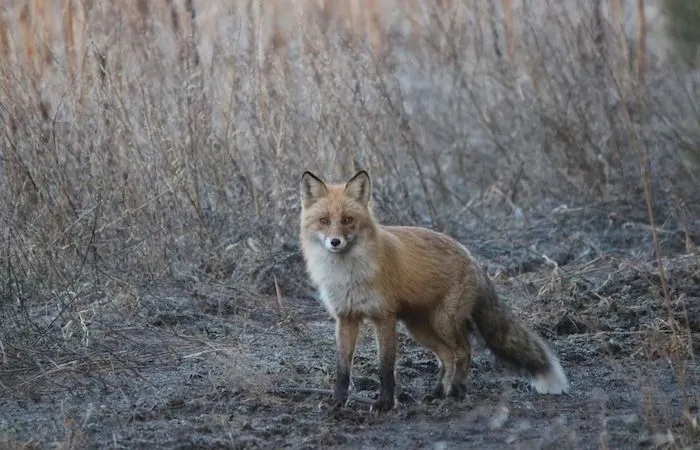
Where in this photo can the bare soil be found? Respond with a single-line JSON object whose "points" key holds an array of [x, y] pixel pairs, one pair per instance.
{"points": [[211, 366]]}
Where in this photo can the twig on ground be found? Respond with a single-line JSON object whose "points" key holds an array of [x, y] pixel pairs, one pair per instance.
{"points": [[303, 390], [205, 352]]}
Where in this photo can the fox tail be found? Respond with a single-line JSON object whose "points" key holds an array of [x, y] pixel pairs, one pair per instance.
{"points": [[513, 342]]}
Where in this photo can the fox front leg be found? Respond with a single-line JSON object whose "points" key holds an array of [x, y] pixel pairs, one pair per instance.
{"points": [[346, 332], [385, 332]]}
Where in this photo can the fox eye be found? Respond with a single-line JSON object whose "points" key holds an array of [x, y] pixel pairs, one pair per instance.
{"points": [[347, 220], [324, 221]]}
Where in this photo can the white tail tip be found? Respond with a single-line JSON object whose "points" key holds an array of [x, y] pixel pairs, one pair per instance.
{"points": [[553, 381]]}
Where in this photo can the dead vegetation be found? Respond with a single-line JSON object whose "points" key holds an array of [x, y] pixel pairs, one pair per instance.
{"points": [[149, 161]]}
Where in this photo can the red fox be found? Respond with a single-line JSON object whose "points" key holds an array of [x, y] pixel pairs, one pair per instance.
{"points": [[422, 278]]}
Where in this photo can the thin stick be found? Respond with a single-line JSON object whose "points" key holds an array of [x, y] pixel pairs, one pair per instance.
{"points": [[641, 42], [69, 38], [27, 36], [509, 28], [303, 390]]}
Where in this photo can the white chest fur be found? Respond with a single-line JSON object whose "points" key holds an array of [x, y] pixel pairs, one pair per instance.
{"points": [[345, 282]]}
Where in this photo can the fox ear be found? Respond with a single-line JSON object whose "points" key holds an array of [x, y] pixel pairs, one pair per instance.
{"points": [[359, 188], [312, 189]]}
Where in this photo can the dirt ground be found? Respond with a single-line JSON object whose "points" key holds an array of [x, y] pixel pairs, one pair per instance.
{"points": [[208, 366]]}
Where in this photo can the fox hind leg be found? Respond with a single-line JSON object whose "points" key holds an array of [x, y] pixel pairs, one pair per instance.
{"points": [[449, 340], [438, 390], [461, 346], [458, 383], [425, 334]]}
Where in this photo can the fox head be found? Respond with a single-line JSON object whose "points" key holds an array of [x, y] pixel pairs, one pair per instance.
{"points": [[336, 216]]}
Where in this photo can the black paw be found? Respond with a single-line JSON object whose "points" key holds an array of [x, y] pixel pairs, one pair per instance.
{"points": [[339, 399], [457, 391], [383, 404]]}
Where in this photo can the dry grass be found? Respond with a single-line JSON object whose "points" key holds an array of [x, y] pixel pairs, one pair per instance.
{"points": [[171, 158]]}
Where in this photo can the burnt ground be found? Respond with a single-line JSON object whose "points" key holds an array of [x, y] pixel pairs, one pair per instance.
{"points": [[208, 365]]}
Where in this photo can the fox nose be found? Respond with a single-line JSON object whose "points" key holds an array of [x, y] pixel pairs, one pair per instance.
{"points": [[335, 242]]}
